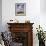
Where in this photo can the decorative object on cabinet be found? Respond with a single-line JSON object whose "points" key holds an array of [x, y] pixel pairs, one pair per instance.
{"points": [[22, 33], [20, 9], [13, 21], [27, 21]]}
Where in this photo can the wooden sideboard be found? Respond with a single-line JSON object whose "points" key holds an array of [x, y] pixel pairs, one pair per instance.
{"points": [[22, 33]]}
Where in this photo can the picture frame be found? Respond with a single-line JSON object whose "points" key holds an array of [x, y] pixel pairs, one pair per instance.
{"points": [[20, 9]]}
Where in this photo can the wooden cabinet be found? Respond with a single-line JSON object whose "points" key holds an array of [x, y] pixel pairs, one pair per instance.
{"points": [[22, 33]]}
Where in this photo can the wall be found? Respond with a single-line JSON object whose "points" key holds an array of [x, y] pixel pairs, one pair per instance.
{"points": [[43, 14], [33, 13], [0, 15]]}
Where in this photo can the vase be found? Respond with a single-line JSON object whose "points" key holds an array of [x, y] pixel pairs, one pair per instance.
{"points": [[41, 43]]}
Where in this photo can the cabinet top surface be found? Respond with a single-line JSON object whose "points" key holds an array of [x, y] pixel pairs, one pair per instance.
{"points": [[19, 23]]}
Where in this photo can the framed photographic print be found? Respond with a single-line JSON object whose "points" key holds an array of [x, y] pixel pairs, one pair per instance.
{"points": [[20, 9]]}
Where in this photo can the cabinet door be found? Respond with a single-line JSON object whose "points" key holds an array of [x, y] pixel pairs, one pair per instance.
{"points": [[20, 37]]}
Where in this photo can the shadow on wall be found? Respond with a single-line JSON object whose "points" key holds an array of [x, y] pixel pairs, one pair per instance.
{"points": [[0, 15], [43, 6]]}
